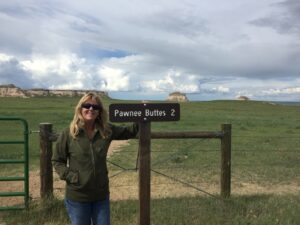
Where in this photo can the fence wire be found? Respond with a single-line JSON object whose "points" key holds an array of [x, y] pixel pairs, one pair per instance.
{"points": [[192, 167], [246, 169]]}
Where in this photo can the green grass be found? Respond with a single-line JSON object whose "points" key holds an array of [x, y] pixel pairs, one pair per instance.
{"points": [[254, 210], [265, 152]]}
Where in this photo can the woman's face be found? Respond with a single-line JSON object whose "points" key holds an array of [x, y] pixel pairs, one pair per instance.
{"points": [[90, 110]]}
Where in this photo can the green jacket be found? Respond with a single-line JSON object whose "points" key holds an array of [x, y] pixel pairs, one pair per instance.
{"points": [[82, 162]]}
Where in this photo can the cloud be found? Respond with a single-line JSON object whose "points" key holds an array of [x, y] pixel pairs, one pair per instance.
{"points": [[221, 89], [284, 18], [290, 90], [63, 70], [173, 81], [211, 47], [5, 58], [132, 74], [113, 79], [12, 72]]}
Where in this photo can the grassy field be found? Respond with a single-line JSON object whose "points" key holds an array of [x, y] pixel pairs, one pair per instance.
{"points": [[265, 164]]}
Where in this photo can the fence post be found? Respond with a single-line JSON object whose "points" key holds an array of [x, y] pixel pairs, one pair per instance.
{"points": [[46, 175], [144, 172], [226, 161]]}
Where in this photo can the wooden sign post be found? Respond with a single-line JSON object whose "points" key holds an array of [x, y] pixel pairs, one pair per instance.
{"points": [[144, 173], [144, 113]]}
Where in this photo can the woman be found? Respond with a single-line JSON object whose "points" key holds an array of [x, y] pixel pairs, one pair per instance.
{"points": [[80, 159]]}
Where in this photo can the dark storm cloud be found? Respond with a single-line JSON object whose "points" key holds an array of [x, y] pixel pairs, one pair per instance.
{"points": [[11, 72], [287, 20]]}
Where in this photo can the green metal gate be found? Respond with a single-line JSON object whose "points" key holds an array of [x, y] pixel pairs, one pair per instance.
{"points": [[24, 161]]}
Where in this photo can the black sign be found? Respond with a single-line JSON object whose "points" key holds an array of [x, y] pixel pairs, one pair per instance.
{"points": [[144, 112]]}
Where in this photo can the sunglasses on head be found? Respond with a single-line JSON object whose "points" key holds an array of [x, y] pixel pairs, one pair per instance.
{"points": [[89, 105]]}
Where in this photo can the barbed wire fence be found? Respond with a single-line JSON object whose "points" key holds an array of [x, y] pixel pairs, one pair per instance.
{"points": [[252, 165], [252, 169], [191, 168], [257, 169]]}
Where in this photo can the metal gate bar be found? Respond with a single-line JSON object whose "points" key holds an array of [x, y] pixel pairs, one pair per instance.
{"points": [[24, 161]]}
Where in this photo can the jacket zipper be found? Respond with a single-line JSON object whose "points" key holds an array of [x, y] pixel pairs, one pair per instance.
{"points": [[93, 158]]}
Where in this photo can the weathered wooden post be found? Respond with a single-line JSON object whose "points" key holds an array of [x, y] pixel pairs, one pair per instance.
{"points": [[46, 175], [226, 161], [144, 172], [144, 113]]}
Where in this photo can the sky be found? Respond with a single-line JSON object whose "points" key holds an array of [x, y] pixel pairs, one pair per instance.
{"points": [[146, 49]]}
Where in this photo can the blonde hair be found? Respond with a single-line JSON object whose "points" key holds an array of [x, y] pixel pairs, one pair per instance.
{"points": [[101, 121]]}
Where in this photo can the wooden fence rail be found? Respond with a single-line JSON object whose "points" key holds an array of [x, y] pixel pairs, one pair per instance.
{"points": [[47, 137]]}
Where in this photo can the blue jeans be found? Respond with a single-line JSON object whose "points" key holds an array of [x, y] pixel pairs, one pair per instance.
{"points": [[87, 213]]}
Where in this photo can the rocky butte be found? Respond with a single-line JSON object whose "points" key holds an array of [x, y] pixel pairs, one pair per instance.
{"points": [[177, 97], [10, 90]]}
